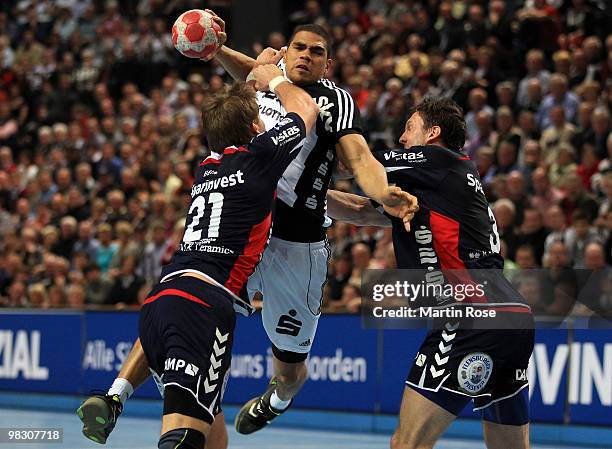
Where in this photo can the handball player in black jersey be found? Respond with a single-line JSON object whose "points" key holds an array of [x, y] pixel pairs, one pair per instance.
{"points": [[293, 270], [454, 230], [187, 321]]}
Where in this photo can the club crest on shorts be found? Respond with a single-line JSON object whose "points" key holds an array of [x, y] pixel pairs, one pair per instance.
{"points": [[474, 372]]}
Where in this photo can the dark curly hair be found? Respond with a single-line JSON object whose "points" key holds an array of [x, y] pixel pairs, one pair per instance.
{"points": [[446, 114]]}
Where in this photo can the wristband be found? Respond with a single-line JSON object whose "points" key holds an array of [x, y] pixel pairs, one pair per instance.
{"points": [[275, 82], [250, 77]]}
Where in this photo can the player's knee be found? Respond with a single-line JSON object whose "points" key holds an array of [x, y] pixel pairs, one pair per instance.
{"points": [[220, 442], [394, 443], [184, 438], [397, 442], [217, 438]]}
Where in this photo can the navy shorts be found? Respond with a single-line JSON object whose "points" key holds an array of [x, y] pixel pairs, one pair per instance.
{"points": [[488, 367], [186, 331]]}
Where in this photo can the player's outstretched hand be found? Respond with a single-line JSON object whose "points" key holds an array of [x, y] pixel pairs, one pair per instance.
{"points": [[221, 35], [263, 74], [400, 204], [270, 56]]}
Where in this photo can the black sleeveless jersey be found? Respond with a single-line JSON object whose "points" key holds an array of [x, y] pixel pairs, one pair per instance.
{"points": [[301, 204]]}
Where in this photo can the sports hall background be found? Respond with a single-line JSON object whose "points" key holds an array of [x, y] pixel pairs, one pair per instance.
{"points": [[100, 134]]}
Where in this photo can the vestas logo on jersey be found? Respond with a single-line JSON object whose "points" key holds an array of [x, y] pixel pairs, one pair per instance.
{"points": [[325, 112], [405, 156], [286, 136]]}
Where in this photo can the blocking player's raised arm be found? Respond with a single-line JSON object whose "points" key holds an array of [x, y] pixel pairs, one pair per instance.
{"points": [[281, 144], [237, 64], [371, 176]]}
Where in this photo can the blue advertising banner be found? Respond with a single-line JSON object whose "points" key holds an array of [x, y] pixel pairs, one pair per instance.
{"points": [[342, 365], [590, 391], [350, 368], [251, 361], [399, 350], [547, 375], [40, 351]]}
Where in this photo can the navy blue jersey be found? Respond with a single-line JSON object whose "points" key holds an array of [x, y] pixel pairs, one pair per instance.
{"points": [[229, 219], [455, 228]]}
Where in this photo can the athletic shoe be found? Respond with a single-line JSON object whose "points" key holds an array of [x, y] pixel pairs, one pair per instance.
{"points": [[257, 413], [99, 414]]}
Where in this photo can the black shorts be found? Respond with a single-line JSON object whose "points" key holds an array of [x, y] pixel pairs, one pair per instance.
{"points": [[186, 331], [454, 366]]}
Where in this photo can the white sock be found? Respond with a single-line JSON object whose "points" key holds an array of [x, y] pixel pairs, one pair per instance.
{"points": [[121, 387], [278, 403]]}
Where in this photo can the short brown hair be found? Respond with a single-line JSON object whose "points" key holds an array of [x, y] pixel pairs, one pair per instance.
{"points": [[227, 116], [446, 114]]}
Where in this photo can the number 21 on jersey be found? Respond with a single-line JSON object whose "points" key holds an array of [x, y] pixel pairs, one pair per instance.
{"points": [[196, 211]]}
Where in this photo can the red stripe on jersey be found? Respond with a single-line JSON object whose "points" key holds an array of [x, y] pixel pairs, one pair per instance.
{"points": [[245, 263], [175, 292], [211, 160], [513, 309], [445, 232], [232, 150], [464, 158], [229, 150]]}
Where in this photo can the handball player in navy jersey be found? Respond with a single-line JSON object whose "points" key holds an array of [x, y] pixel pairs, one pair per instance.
{"points": [[454, 229], [187, 320]]}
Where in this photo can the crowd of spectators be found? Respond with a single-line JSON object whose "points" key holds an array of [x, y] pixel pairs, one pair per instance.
{"points": [[100, 132]]}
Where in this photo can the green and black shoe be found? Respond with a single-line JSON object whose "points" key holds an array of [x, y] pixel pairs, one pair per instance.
{"points": [[99, 414], [257, 413]]}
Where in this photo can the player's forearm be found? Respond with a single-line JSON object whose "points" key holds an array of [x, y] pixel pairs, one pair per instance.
{"points": [[370, 175], [354, 154], [237, 64], [354, 209], [295, 99]]}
